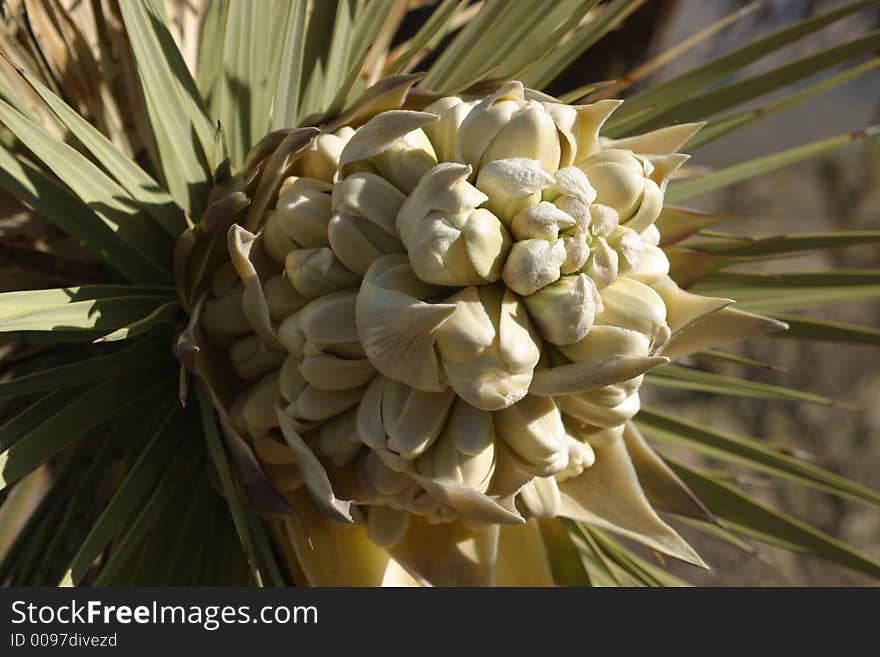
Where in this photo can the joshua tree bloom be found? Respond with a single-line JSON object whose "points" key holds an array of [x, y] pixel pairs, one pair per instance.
{"points": [[439, 321]]}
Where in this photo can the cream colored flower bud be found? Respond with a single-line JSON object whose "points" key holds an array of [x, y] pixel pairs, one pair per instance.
{"points": [[406, 161], [488, 347], [337, 439], [300, 217], [633, 305], [449, 240], [393, 145], [512, 185], [413, 418], [651, 236], [253, 358], [532, 264], [619, 178], [603, 220], [316, 405], [603, 263], [465, 451], [358, 243], [580, 457], [629, 247], [258, 409], [533, 429], [653, 267], [570, 182], [584, 409], [443, 133], [604, 341], [506, 125], [322, 157], [541, 221], [314, 272], [282, 298], [564, 311], [396, 328], [224, 318]]}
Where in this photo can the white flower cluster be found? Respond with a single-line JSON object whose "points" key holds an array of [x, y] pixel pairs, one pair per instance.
{"points": [[447, 310]]}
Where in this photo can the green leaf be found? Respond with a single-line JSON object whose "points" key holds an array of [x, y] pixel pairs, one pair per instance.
{"points": [[684, 189], [720, 127], [663, 427], [560, 55], [183, 133], [791, 290], [30, 418], [140, 186], [739, 246], [168, 314], [695, 80], [807, 328], [439, 74], [749, 517], [177, 481], [285, 112], [103, 196], [428, 35], [209, 61], [60, 207], [139, 356], [58, 430], [15, 302], [718, 100], [161, 435], [81, 320], [227, 481], [565, 559], [672, 376], [723, 356], [249, 76], [648, 573]]}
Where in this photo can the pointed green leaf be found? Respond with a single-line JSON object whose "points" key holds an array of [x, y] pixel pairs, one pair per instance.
{"points": [[560, 56], [182, 130], [738, 246], [684, 189], [60, 207], [103, 196], [168, 314], [747, 516], [428, 35], [227, 481], [160, 441], [791, 290], [672, 376], [139, 356], [140, 186], [81, 320], [700, 78], [720, 127], [669, 429], [285, 110], [176, 481], [736, 93], [58, 430], [808, 328]]}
